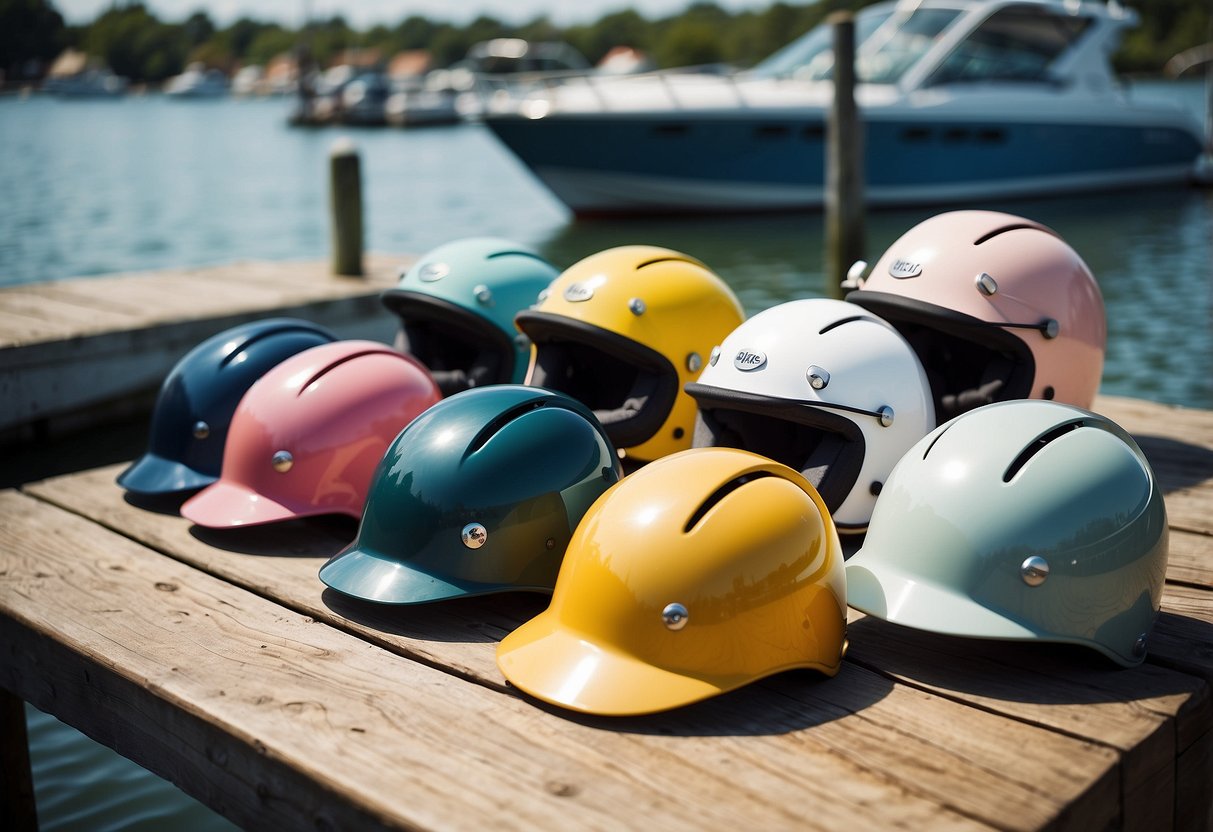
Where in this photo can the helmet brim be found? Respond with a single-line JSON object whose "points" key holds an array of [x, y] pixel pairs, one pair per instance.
{"points": [[905, 599], [225, 505], [151, 474], [370, 576], [564, 668]]}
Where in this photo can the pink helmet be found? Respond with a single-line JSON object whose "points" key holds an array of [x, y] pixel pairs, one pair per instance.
{"points": [[307, 436], [996, 306]]}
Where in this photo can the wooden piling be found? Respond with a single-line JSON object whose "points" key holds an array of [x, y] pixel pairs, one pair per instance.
{"points": [[345, 207], [844, 220], [16, 781]]}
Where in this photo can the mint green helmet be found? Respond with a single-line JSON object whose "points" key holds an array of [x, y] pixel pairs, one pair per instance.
{"points": [[479, 494], [1025, 520], [456, 307]]}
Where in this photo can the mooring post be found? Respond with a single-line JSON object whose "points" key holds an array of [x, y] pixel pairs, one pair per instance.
{"points": [[844, 231], [345, 207], [16, 780]]}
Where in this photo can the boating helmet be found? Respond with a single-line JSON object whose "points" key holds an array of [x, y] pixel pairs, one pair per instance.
{"points": [[456, 307], [700, 573], [306, 438], [197, 398], [479, 495], [1023, 520], [997, 307], [622, 331], [823, 386]]}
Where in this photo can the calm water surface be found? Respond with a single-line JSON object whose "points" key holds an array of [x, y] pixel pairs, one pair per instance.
{"points": [[96, 187]]}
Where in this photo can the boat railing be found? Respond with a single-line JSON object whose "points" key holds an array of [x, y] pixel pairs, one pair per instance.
{"points": [[505, 92]]}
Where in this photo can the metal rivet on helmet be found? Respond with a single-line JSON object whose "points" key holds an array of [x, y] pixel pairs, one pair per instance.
{"points": [[282, 461], [201, 430], [636, 306], [521, 341], [1139, 646], [474, 535], [818, 378], [986, 284], [1050, 328], [482, 293], [886, 415], [715, 356], [675, 616], [1034, 570], [694, 362]]}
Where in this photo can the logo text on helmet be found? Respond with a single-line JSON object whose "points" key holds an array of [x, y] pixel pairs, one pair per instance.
{"points": [[746, 360], [433, 271], [577, 292], [905, 268]]}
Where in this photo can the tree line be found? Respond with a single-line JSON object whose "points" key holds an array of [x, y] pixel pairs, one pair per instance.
{"points": [[136, 44]]}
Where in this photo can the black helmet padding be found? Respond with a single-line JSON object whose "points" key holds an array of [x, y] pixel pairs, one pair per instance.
{"points": [[826, 447], [629, 387]]}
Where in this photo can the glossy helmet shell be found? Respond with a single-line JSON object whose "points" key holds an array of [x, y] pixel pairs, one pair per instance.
{"points": [[198, 397], [698, 574], [622, 331], [998, 307], [1022, 520], [456, 307], [479, 495], [307, 437], [824, 387]]}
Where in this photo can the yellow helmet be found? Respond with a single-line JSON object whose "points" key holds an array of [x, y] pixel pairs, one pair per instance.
{"points": [[699, 573], [622, 331]]}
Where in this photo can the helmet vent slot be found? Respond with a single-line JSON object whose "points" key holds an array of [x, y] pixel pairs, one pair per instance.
{"points": [[838, 323], [1037, 446], [719, 494], [494, 426], [529, 254], [268, 333], [668, 259], [936, 439], [344, 360], [989, 235]]}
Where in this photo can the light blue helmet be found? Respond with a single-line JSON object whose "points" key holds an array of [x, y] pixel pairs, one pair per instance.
{"points": [[456, 307], [1021, 520]]}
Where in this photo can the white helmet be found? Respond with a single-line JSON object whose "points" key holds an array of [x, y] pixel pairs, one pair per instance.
{"points": [[824, 387]]}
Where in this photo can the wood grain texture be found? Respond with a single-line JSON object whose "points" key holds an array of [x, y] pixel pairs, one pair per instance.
{"points": [[270, 714]]}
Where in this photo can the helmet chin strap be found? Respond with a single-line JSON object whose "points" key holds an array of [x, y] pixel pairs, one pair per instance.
{"points": [[1048, 327]]}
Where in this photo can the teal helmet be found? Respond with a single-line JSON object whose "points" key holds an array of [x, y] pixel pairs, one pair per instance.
{"points": [[480, 494], [1022, 520], [456, 307]]}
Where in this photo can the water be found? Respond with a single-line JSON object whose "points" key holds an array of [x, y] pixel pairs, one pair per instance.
{"points": [[95, 187]]}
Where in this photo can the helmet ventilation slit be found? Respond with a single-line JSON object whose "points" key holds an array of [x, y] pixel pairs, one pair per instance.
{"points": [[657, 260], [936, 439], [719, 494], [344, 359], [501, 421], [261, 336], [989, 235], [840, 322], [529, 254], [1037, 446]]}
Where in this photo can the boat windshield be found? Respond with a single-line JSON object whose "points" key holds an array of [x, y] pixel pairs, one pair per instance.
{"points": [[888, 41]]}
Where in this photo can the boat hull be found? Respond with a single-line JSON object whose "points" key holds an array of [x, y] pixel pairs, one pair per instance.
{"points": [[610, 164]]}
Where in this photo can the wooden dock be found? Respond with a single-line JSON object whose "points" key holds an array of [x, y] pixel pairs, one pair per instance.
{"points": [[220, 662], [75, 351]]}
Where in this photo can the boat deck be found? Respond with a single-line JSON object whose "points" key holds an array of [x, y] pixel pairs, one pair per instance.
{"points": [[219, 661]]}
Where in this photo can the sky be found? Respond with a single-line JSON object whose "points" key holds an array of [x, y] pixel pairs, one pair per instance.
{"points": [[364, 13]]}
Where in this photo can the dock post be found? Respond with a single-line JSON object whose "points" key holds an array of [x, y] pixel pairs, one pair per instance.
{"points": [[844, 220], [16, 780], [345, 207]]}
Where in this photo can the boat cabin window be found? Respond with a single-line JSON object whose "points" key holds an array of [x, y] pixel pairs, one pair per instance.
{"points": [[900, 43], [811, 57], [1014, 44]]}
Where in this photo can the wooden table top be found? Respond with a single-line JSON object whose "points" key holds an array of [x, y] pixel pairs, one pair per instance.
{"points": [[219, 661]]}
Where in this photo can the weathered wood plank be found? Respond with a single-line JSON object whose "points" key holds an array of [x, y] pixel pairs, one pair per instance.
{"points": [[261, 698], [1190, 560], [1139, 711]]}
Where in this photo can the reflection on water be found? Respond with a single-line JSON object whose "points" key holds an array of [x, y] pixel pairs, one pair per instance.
{"points": [[94, 187]]}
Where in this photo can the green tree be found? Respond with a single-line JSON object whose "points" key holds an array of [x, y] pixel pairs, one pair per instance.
{"points": [[31, 35], [137, 45]]}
